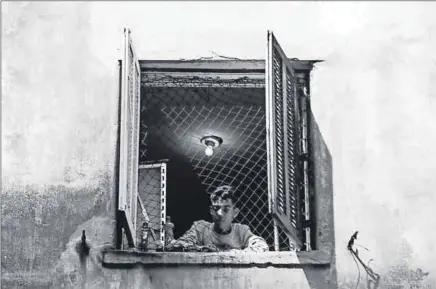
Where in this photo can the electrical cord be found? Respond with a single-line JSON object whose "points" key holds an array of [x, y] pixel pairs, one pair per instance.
{"points": [[369, 272], [358, 271]]}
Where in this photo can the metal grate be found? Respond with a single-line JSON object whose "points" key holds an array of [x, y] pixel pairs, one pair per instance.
{"points": [[152, 204], [179, 110]]}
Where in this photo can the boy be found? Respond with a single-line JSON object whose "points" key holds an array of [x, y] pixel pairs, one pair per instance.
{"points": [[222, 234]]}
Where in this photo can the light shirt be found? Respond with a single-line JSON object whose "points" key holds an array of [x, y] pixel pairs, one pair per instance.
{"points": [[240, 237]]}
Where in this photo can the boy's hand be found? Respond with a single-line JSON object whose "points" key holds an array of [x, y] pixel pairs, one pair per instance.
{"points": [[209, 248]]}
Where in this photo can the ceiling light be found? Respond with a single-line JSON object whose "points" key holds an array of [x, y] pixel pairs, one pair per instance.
{"points": [[211, 142]]}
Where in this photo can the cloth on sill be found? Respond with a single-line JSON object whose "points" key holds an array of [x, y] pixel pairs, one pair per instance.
{"points": [[202, 234]]}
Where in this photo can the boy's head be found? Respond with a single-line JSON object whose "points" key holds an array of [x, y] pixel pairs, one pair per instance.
{"points": [[223, 207]]}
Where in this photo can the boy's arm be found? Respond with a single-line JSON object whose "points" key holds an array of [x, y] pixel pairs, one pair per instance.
{"points": [[190, 238], [253, 243]]}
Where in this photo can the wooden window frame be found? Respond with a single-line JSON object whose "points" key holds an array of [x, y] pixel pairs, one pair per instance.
{"points": [[232, 69]]}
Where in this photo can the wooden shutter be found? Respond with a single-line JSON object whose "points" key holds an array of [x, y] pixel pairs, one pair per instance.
{"points": [[282, 139], [129, 137]]}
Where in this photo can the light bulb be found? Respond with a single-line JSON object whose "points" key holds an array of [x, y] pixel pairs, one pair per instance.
{"points": [[208, 151]]}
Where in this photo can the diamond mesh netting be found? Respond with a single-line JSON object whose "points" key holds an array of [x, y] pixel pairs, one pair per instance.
{"points": [[176, 112], [151, 205]]}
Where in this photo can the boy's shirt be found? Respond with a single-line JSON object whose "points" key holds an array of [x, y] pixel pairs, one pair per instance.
{"points": [[240, 237]]}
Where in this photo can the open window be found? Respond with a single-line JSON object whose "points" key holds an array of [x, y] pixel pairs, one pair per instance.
{"points": [[258, 108]]}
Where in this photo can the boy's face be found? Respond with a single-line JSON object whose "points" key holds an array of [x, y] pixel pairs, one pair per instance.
{"points": [[223, 212]]}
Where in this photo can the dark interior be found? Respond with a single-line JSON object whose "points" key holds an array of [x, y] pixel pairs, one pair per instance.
{"points": [[175, 115], [173, 120]]}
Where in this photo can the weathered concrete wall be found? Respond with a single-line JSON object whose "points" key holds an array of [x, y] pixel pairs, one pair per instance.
{"points": [[373, 99], [322, 189], [59, 121], [33, 242], [199, 277]]}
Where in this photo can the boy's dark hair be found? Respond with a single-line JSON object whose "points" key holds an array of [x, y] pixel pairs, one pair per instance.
{"points": [[224, 192]]}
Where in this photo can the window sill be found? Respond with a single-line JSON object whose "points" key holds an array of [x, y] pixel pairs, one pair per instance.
{"points": [[120, 258]]}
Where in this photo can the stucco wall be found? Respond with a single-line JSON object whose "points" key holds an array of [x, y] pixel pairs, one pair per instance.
{"points": [[322, 189], [201, 277], [374, 100], [59, 121]]}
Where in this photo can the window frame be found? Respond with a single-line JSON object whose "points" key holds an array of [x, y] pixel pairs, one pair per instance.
{"points": [[232, 69], [225, 69], [229, 70]]}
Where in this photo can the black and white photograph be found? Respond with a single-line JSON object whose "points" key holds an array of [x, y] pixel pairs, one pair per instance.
{"points": [[209, 144]]}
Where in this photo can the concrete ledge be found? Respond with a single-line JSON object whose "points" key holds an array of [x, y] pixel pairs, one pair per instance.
{"points": [[119, 258]]}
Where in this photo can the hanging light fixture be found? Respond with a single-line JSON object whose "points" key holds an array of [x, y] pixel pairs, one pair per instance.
{"points": [[211, 142]]}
